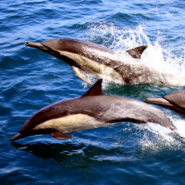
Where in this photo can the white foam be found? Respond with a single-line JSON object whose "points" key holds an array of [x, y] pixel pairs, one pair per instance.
{"points": [[179, 122], [159, 133], [166, 133], [156, 56]]}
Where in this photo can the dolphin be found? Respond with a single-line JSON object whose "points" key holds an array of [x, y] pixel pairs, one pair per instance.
{"points": [[174, 101], [92, 110], [87, 58]]}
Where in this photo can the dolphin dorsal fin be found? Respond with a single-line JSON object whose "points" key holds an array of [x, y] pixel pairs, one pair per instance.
{"points": [[177, 98], [136, 52], [95, 90]]}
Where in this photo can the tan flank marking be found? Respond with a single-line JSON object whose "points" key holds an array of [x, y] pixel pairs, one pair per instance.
{"points": [[71, 123], [96, 69]]}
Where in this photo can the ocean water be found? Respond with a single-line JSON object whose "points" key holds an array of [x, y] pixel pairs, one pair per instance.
{"points": [[123, 153]]}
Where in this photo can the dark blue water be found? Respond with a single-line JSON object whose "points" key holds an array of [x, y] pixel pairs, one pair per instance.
{"points": [[31, 79]]}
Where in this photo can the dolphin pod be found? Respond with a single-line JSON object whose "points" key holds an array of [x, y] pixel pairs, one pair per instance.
{"points": [[100, 62], [91, 110], [174, 101]]}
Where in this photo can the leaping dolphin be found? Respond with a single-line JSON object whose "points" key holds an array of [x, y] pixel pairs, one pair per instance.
{"points": [[174, 101], [89, 58], [93, 109]]}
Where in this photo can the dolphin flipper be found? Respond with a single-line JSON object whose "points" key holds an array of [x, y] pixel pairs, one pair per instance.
{"points": [[81, 74], [60, 135]]}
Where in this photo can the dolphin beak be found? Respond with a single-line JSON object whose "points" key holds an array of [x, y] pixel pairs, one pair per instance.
{"points": [[153, 100], [17, 136], [36, 45], [157, 101], [43, 48]]}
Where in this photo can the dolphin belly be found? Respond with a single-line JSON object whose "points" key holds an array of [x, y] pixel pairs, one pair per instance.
{"points": [[98, 70], [71, 123]]}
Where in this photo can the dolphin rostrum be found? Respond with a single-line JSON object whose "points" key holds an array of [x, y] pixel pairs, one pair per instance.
{"points": [[93, 109], [174, 101], [100, 62]]}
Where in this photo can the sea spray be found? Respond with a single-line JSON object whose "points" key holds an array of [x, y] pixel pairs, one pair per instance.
{"points": [[169, 67]]}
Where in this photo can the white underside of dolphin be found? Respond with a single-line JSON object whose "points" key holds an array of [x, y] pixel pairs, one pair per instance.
{"points": [[72, 123]]}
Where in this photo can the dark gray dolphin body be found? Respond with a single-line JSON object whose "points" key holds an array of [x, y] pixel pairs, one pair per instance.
{"points": [[174, 101], [94, 109], [100, 62]]}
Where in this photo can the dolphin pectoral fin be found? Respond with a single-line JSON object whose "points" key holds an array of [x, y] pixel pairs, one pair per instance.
{"points": [[81, 74], [136, 52], [60, 135]]}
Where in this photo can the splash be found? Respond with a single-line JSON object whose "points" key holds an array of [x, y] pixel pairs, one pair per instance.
{"points": [[155, 56], [163, 138], [179, 122]]}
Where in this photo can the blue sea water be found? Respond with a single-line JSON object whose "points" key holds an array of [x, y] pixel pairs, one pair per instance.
{"points": [[124, 153]]}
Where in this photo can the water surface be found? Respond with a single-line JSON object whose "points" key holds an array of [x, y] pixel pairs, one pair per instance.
{"points": [[31, 79]]}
